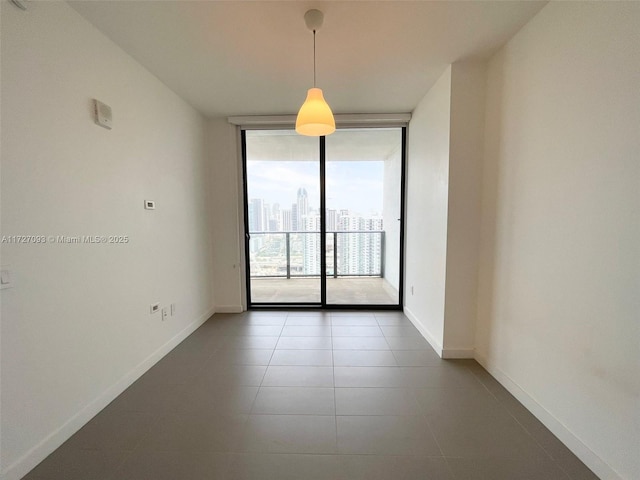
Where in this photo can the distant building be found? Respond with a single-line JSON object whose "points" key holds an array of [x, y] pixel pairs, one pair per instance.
{"points": [[275, 220], [285, 221], [359, 253], [332, 220], [311, 245], [256, 215], [294, 217], [266, 217], [301, 208]]}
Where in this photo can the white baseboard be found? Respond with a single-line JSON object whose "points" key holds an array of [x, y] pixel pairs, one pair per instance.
{"points": [[458, 353], [424, 332], [229, 309], [42, 450], [573, 443]]}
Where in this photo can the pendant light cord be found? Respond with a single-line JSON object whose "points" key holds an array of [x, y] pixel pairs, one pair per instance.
{"points": [[314, 59]]}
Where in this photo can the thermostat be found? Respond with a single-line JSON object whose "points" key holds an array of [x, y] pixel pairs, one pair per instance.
{"points": [[149, 205], [102, 114]]}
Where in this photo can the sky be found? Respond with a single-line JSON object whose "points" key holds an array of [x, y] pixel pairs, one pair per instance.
{"points": [[356, 186]]}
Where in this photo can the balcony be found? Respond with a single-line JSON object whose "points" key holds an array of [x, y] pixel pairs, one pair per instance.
{"points": [[285, 268]]}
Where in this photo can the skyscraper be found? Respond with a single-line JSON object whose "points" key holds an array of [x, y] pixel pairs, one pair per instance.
{"points": [[301, 208], [359, 253], [332, 220], [311, 245], [256, 215], [285, 220], [294, 217]]}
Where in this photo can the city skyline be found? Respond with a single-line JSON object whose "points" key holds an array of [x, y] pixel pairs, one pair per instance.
{"points": [[296, 216], [294, 233], [354, 186]]}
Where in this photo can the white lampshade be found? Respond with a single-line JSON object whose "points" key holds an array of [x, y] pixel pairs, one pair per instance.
{"points": [[315, 117]]}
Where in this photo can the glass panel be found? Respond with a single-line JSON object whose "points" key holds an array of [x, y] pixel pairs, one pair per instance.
{"points": [[363, 180], [283, 190]]}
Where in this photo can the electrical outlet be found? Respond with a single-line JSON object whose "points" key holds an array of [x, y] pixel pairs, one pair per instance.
{"points": [[155, 307], [165, 313], [173, 309]]}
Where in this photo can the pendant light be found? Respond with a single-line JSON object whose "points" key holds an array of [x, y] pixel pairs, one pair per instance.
{"points": [[315, 117]]}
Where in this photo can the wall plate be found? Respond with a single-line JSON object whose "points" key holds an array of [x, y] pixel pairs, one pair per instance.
{"points": [[6, 280], [102, 114]]}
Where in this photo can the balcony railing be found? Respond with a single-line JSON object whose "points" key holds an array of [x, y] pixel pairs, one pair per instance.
{"points": [[352, 253]]}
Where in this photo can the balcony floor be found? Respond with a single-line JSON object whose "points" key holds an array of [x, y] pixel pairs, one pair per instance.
{"points": [[340, 291]]}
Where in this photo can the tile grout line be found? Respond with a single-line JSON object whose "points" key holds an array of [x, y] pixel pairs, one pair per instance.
{"points": [[246, 423], [335, 402], [522, 426], [390, 349], [272, 354]]}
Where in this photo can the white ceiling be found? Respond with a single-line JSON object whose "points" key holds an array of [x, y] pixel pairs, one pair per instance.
{"points": [[256, 57]]}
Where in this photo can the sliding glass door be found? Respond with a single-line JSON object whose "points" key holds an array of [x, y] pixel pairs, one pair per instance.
{"points": [[363, 192], [323, 217]]}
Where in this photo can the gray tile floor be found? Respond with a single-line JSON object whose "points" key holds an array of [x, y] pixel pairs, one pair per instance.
{"points": [[312, 396]]}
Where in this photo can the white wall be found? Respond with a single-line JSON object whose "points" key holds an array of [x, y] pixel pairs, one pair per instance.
{"points": [[76, 327], [226, 193], [559, 294], [427, 179], [468, 84], [443, 209]]}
